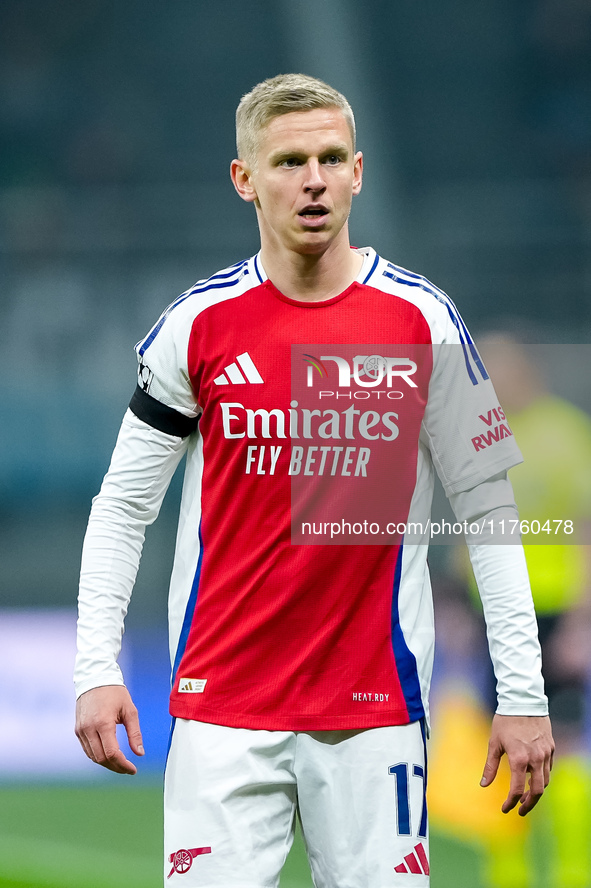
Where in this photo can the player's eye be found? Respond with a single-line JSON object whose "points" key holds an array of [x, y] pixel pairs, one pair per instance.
{"points": [[290, 162], [332, 159]]}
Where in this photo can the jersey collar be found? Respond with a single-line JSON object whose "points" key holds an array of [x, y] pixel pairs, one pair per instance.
{"points": [[370, 262]]}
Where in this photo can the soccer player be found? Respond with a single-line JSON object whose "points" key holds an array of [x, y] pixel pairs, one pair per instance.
{"points": [[306, 386]]}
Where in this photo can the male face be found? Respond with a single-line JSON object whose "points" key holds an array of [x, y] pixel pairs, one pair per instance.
{"points": [[304, 180]]}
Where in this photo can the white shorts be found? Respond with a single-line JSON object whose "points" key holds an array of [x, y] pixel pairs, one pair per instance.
{"points": [[231, 796]]}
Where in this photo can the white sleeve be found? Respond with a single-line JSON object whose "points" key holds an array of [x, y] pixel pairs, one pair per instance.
{"points": [[143, 463], [464, 426], [503, 584]]}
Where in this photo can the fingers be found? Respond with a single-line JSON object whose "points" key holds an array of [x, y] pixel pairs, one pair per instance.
{"points": [[527, 742], [100, 745], [528, 796], [517, 791], [98, 711], [538, 781], [131, 722], [85, 745], [107, 753], [528, 802], [491, 765]]}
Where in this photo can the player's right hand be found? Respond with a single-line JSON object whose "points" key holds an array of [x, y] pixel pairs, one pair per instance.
{"points": [[97, 713]]}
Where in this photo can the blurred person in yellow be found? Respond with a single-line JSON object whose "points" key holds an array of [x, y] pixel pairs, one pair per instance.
{"points": [[552, 484], [463, 698]]}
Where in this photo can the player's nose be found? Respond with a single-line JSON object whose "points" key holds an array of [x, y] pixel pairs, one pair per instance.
{"points": [[314, 179]]}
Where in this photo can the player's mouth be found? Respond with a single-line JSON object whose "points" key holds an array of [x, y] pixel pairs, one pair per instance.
{"points": [[314, 215]]}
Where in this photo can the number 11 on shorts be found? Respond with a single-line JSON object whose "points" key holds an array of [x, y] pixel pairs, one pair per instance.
{"points": [[403, 818]]}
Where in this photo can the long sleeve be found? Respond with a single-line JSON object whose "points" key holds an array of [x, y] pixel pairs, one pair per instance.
{"points": [[143, 463], [503, 584]]}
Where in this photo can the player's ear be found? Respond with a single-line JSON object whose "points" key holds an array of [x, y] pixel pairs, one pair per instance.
{"points": [[357, 172], [242, 180]]}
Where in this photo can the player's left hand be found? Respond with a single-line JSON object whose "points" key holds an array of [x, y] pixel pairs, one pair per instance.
{"points": [[98, 711], [527, 741]]}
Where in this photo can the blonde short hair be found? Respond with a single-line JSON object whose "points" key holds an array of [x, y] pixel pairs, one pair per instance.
{"points": [[282, 95]]}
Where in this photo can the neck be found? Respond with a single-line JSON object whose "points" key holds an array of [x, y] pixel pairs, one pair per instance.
{"points": [[312, 277]]}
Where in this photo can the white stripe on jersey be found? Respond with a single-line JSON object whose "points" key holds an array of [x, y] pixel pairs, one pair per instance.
{"points": [[226, 278], [409, 279]]}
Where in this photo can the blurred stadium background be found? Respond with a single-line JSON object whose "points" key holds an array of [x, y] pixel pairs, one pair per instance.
{"points": [[116, 132]]}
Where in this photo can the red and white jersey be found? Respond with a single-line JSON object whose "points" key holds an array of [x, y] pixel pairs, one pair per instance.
{"points": [[270, 634]]}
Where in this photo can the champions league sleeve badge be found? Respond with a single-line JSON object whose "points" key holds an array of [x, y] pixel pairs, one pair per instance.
{"points": [[145, 377]]}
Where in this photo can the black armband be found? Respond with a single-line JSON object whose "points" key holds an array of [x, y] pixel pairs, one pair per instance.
{"points": [[160, 416]]}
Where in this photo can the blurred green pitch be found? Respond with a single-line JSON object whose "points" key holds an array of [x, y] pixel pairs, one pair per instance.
{"points": [[89, 836]]}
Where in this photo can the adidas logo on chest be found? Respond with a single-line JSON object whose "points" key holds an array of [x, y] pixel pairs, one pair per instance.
{"points": [[239, 372]]}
